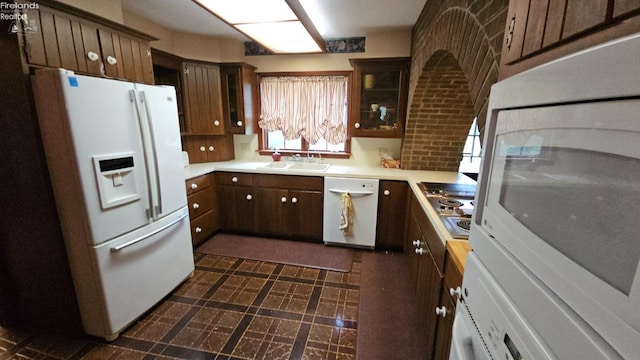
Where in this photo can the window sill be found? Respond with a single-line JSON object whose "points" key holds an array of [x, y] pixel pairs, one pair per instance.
{"points": [[303, 154]]}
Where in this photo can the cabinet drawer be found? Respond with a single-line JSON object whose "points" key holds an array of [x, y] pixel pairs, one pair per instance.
{"points": [[200, 202], [234, 179], [202, 228], [289, 182], [197, 184]]}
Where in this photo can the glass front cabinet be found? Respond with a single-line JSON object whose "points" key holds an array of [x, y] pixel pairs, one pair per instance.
{"points": [[379, 98], [239, 95]]}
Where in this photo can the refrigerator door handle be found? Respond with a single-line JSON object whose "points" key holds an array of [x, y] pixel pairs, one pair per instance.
{"points": [[146, 236], [144, 99], [147, 161]]}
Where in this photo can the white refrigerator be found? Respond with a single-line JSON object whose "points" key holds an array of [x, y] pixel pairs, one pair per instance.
{"points": [[114, 156]]}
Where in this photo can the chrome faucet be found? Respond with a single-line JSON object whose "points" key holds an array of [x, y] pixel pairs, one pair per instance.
{"points": [[295, 157]]}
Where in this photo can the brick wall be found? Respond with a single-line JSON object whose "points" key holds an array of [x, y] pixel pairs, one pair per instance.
{"points": [[455, 55]]}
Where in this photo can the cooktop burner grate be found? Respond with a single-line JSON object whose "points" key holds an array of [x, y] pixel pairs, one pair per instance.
{"points": [[464, 224], [450, 202]]}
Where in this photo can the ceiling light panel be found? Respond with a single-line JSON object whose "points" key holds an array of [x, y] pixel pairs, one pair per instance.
{"points": [[282, 37], [250, 11]]}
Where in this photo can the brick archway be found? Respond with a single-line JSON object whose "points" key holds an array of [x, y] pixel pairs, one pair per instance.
{"points": [[454, 62], [443, 112]]}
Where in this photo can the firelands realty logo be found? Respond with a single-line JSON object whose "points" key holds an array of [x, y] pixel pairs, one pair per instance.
{"points": [[16, 13]]}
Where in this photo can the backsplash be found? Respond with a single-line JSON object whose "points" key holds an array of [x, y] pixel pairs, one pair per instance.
{"points": [[364, 151]]}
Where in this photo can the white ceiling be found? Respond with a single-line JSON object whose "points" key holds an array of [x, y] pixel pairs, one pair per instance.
{"points": [[332, 18]]}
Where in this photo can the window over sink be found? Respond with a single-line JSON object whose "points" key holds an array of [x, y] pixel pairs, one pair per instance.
{"points": [[304, 112]]}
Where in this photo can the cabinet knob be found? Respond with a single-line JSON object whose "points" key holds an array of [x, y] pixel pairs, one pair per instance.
{"points": [[419, 251], [203, 149], [111, 60], [284, 199], [442, 311], [92, 56], [249, 197], [194, 186], [294, 200], [198, 229], [239, 123], [211, 148], [196, 206], [416, 242], [216, 123], [455, 292], [357, 125], [387, 192], [234, 179]]}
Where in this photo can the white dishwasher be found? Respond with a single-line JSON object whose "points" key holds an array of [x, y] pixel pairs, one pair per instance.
{"points": [[362, 194]]}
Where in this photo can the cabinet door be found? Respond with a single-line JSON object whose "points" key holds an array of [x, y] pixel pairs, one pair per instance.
{"points": [[429, 284], [208, 148], [378, 104], [412, 243], [239, 97], [305, 214], [514, 32], [237, 209], [444, 327], [203, 99], [273, 205], [623, 7], [61, 41], [125, 57], [392, 214]]}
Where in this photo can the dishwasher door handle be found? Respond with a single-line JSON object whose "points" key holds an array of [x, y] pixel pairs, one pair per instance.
{"points": [[352, 193]]}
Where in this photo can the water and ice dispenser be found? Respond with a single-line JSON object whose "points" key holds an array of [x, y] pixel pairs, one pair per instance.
{"points": [[116, 178]]}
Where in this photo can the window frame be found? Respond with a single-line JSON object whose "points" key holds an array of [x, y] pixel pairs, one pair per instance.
{"points": [[262, 134]]}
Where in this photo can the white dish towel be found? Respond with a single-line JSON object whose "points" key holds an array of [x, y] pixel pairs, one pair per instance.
{"points": [[346, 216]]}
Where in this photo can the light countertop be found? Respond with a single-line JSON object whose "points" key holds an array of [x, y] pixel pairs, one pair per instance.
{"points": [[413, 177], [458, 250]]}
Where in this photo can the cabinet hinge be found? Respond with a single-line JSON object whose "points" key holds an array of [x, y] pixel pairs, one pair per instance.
{"points": [[509, 38]]}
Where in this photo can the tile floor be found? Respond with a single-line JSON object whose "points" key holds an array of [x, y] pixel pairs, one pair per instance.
{"points": [[230, 309]]}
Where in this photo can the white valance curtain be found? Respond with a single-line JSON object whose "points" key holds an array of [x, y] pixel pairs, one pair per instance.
{"points": [[314, 107]]}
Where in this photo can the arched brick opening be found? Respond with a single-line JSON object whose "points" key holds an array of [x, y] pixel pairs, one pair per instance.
{"points": [[442, 112], [454, 61]]}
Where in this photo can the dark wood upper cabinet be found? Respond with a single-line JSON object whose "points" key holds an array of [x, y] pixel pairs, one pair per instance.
{"points": [[239, 97], [64, 37], [379, 97], [537, 32], [203, 100]]}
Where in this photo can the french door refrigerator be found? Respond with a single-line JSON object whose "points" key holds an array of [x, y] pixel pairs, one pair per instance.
{"points": [[114, 156]]}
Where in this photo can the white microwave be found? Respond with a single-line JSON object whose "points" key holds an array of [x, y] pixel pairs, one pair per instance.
{"points": [[559, 186]]}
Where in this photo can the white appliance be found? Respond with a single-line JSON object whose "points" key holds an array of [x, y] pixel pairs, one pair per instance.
{"points": [[364, 200], [114, 156], [559, 195], [496, 330]]}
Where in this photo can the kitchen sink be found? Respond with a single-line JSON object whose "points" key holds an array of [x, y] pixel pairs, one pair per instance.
{"points": [[275, 165], [310, 167], [296, 166]]}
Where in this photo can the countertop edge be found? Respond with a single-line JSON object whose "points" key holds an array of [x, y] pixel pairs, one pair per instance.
{"points": [[413, 177], [458, 250]]}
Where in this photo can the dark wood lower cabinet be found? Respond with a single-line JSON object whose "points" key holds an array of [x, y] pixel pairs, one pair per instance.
{"points": [[429, 267], [278, 205], [444, 326], [392, 215], [289, 206], [238, 211]]}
